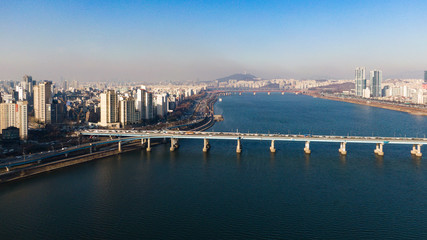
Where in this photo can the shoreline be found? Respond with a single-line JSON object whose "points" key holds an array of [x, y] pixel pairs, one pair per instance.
{"points": [[410, 110]]}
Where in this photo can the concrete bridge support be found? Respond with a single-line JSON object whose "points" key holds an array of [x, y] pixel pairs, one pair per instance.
{"points": [[90, 148], [148, 145], [142, 141], [272, 149], [206, 145], [307, 148], [416, 150], [342, 149], [379, 149], [7, 169], [174, 144], [120, 146], [239, 146]]}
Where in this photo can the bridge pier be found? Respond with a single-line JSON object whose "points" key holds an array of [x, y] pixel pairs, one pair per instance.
{"points": [[206, 145], [272, 149], [7, 169], [120, 146], [379, 149], [239, 146], [416, 150], [90, 148], [342, 149], [307, 147], [148, 145], [142, 141], [174, 144]]}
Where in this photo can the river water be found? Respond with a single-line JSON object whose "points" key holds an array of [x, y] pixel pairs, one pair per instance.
{"points": [[220, 195]]}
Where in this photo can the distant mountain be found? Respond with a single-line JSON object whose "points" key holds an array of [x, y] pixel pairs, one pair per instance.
{"points": [[238, 76]]}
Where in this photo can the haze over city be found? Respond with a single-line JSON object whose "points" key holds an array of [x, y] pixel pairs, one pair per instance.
{"points": [[191, 40]]}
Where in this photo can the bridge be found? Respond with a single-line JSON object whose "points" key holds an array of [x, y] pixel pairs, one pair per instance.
{"points": [[174, 136], [39, 157], [143, 138]]}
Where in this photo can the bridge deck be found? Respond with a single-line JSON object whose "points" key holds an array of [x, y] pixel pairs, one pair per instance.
{"points": [[254, 136]]}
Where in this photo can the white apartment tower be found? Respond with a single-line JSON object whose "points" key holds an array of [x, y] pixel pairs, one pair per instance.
{"points": [[128, 114], [15, 115], [43, 101], [140, 102], [109, 108], [376, 77], [161, 104], [360, 80]]}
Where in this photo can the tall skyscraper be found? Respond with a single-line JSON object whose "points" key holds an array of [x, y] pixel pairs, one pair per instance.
{"points": [[140, 102], [109, 108], [26, 89], [376, 77], [149, 113], [425, 76], [15, 115], [43, 102], [360, 81], [27, 83], [65, 85]]}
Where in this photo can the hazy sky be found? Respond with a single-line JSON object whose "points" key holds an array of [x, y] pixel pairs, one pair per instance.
{"points": [[205, 40]]}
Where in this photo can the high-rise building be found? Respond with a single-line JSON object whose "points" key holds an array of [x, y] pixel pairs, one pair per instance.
{"points": [[43, 101], [376, 77], [425, 76], [15, 115], [65, 86], [161, 104], [109, 108], [360, 81], [140, 102], [127, 112], [149, 113], [27, 84]]}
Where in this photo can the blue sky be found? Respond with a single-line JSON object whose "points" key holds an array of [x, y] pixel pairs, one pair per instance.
{"points": [[190, 40]]}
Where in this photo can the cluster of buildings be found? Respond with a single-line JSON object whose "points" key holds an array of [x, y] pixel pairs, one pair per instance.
{"points": [[34, 104], [277, 83], [138, 105], [18, 100], [368, 88], [397, 90]]}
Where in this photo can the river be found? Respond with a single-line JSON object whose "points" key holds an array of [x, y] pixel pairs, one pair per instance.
{"points": [[220, 195]]}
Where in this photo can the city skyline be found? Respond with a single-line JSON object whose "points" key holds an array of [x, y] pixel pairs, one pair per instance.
{"points": [[189, 41]]}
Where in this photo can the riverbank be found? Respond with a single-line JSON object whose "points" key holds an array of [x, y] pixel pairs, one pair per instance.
{"points": [[389, 106]]}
